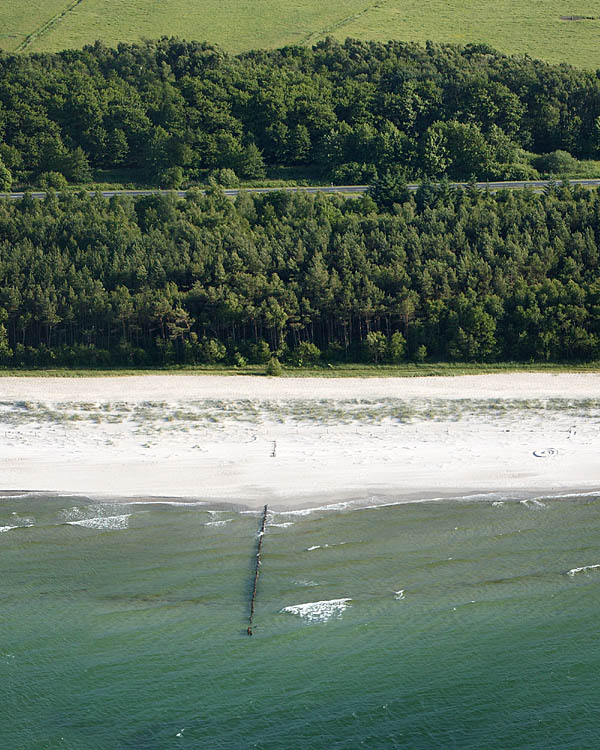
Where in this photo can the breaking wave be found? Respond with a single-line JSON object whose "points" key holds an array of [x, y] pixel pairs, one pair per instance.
{"points": [[583, 569], [10, 528], [319, 611], [103, 522]]}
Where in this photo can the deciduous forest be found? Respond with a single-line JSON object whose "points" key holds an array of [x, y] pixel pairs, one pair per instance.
{"points": [[173, 112]]}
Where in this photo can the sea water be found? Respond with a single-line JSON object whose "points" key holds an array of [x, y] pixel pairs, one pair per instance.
{"points": [[467, 623]]}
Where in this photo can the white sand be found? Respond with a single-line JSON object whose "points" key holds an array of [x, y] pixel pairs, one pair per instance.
{"points": [[458, 449]]}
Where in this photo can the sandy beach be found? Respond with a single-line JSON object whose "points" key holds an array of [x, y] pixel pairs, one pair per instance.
{"points": [[300, 442]]}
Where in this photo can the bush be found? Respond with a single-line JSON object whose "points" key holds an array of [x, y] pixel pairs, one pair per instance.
{"points": [[5, 178], [227, 178], [353, 173], [212, 351], [128, 354], [524, 172], [375, 346], [259, 353], [397, 348], [556, 163], [171, 178], [305, 354], [335, 352], [274, 368], [52, 180]]}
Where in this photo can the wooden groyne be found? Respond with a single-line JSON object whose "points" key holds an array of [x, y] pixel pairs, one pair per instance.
{"points": [[261, 534]]}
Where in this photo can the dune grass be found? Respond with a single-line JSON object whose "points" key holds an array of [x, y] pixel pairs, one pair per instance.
{"points": [[159, 417], [536, 27]]}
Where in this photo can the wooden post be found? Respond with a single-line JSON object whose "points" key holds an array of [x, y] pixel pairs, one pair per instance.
{"points": [[261, 534]]}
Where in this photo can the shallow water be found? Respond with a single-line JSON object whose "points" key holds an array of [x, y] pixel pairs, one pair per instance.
{"points": [[454, 624]]}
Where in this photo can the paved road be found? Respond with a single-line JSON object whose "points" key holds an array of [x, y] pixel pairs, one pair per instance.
{"points": [[537, 186]]}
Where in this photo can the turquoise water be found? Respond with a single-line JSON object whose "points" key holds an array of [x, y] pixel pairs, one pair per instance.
{"points": [[463, 629]]}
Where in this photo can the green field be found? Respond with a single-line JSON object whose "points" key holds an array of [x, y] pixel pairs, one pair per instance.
{"points": [[532, 27], [349, 370]]}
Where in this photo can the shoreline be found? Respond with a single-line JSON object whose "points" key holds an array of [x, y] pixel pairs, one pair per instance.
{"points": [[330, 502], [212, 438]]}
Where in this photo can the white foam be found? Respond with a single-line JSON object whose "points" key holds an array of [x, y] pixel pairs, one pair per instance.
{"points": [[20, 495], [282, 525], [218, 523], [583, 568], [9, 528], [492, 497], [104, 522], [308, 511], [532, 502], [399, 594], [319, 611], [163, 502], [323, 546]]}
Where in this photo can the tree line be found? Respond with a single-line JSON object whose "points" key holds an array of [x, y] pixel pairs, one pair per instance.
{"points": [[174, 111], [444, 275]]}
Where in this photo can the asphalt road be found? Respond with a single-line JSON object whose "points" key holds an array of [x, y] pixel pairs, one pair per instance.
{"points": [[537, 185]]}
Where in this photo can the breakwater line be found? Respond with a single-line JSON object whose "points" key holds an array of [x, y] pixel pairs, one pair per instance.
{"points": [[261, 534]]}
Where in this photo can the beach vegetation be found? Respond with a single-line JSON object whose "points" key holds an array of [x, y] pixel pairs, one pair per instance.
{"points": [[274, 368], [305, 354], [420, 354], [376, 346], [397, 347]]}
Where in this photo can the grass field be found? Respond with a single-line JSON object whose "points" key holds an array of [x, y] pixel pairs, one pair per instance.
{"points": [[351, 370], [532, 27]]}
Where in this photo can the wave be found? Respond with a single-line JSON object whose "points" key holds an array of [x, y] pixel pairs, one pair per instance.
{"points": [[583, 569], [375, 502], [399, 594], [323, 546], [104, 522], [319, 611], [178, 503], [20, 495], [307, 511], [10, 528], [218, 523], [38, 495], [282, 525]]}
